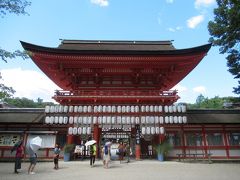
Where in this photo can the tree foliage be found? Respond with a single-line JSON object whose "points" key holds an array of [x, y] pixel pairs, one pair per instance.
{"points": [[16, 7], [27, 103], [5, 92], [13, 6], [225, 32], [212, 103]]}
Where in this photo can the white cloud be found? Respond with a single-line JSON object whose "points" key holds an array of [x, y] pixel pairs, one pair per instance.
{"points": [[200, 89], [169, 1], [178, 28], [194, 21], [180, 88], [204, 3], [100, 2], [29, 84]]}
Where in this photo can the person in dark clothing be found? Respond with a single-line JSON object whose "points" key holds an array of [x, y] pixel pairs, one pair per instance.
{"points": [[93, 152], [18, 157], [56, 152]]}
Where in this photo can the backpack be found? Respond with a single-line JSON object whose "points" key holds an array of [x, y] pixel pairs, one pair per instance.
{"points": [[105, 150]]}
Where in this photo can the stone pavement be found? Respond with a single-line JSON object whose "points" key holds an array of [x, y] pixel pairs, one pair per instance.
{"points": [[135, 170]]}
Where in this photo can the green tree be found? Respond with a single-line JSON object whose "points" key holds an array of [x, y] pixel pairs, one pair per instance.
{"points": [[16, 7], [225, 32], [5, 92]]}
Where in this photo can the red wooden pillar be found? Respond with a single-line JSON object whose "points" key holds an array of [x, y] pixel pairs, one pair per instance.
{"points": [[138, 151], [70, 139]]}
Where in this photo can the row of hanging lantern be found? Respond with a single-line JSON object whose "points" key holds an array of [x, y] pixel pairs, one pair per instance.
{"points": [[115, 109], [87, 120], [151, 130], [116, 136], [79, 130]]}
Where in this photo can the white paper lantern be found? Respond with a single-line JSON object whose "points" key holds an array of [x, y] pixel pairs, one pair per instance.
{"points": [[137, 120], [104, 120], [174, 108], [155, 108], [160, 108], [60, 120], [152, 119], [119, 109], [147, 119], [89, 109], [119, 119], [184, 108], [84, 109], [75, 130], [127, 109], [94, 119], [80, 120], [75, 119], [65, 120], [123, 120], [142, 108], [157, 131], [143, 119], [132, 109], [99, 119], [180, 121], [99, 108], [170, 109], [184, 119], [113, 109], [148, 130], [104, 108], [161, 120], [136, 108], [143, 130], [51, 119], [162, 130], [128, 120], [70, 108], [47, 119], [56, 109], [151, 109], [65, 109], [85, 120], [52, 109], [113, 119], [70, 130], [75, 109], [123, 109], [147, 108], [175, 119], [156, 119], [170, 119], [166, 119], [179, 108], [95, 109], [132, 120], [71, 120], [79, 130], [89, 119], [166, 109], [47, 109], [109, 119], [89, 130], [152, 130], [56, 120], [84, 130]]}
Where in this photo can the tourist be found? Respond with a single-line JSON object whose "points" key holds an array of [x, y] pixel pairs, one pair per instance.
{"points": [[56, 152], [106, 154], [121, 151], [33, 161], [93, 151], [19, 155]]}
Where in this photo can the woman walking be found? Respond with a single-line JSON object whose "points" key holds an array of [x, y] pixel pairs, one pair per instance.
{"points": [[18, 157]]}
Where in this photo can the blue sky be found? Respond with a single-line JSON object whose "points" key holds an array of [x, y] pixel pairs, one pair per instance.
{"points": [[185, 22]]}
